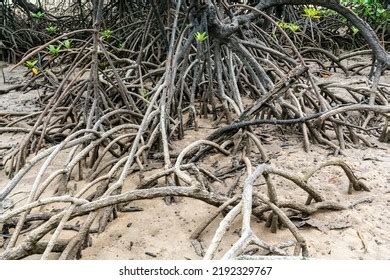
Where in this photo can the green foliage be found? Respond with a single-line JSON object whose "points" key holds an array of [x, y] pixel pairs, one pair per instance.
{"points": [[327, 12], [67, 44], [121, 45], [106, 34], [38, 15], [54, 50], [200, 37], [370, 9], [52, 29], [312, 13], [354, 30], [30, 64], [286, 25]]}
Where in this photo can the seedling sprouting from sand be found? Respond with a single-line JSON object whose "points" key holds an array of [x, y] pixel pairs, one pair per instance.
{"points": [[38, 15], [312, 13], [67, 44], [54, 50], [290, 26], [106, 34], [52, 29], [200, 36], [30, 64]]}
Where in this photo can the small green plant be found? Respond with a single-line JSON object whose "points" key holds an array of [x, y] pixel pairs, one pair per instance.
{"points": [[286, 25], [106, 34], [354, 30], [67, 44], [52, 29], [38, 15], [30, 64], [327, 12], [54, 50], [121, 45], [294, 27], [200, 37], [312, 13]]}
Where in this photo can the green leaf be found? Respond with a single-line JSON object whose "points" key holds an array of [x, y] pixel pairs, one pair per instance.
{"points": [[373, 11], [311, 13], [67, 44], [54, 50], [31, 63], [106, 34], [200, 37], [38, 15], [52, 29], [293, 27], [286, 25], [354, 30]]}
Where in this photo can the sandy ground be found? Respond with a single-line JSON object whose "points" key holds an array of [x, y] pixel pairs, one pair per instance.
{"points": [[362, 232], [162, 231]]}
